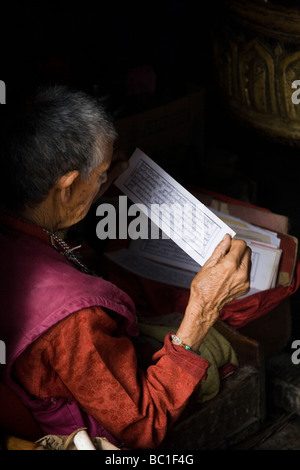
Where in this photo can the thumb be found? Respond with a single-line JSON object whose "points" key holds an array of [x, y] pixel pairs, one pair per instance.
{"points": [[221, 249]]}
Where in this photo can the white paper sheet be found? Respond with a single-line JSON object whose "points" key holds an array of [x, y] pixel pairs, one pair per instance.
{"points": [[265, 259], [190, 224], [151, 270], [165, 252], [245, 230]]}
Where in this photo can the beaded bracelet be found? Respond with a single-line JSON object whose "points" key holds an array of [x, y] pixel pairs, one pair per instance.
{"points": [[178, 342]]}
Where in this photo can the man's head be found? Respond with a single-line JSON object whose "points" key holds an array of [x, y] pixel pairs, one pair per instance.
{"points": [[54, 133]]}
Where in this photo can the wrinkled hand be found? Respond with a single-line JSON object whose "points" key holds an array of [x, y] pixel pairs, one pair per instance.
{"points": [[223, 278]]}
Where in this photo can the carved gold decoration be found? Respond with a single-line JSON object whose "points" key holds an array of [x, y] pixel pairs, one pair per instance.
{"points": [[257, 56]]}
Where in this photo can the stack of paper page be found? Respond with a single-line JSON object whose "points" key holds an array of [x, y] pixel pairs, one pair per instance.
{"points": [[265, 246], [176, 259], [266, 252]]}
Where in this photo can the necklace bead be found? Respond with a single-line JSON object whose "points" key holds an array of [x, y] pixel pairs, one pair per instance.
{"points": [[67, 251]]}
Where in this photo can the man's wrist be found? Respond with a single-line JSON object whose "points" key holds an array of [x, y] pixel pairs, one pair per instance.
{"points": [[194, 327]]}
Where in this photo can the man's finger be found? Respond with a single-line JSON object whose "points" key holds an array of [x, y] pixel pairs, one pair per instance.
{"points": [[238, 249], [245, 262], [221, 250]]}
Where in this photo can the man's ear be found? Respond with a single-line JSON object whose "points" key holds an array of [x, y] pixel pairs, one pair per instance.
{"points": [[64, 184]]}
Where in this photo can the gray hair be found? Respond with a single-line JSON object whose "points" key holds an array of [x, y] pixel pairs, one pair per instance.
{"points": [[56, 131]]}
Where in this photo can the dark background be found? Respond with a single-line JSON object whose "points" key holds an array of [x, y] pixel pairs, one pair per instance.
{"points": [[93, 46]]}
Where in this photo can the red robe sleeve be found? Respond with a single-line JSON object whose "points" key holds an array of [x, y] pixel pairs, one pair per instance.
{"points": [[87, 358]]}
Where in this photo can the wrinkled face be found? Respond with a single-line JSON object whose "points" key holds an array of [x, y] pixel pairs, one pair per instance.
{"points": [[84, 192]]}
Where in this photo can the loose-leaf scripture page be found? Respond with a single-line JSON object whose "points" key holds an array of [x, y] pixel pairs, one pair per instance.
{"points": [[182, 217]]}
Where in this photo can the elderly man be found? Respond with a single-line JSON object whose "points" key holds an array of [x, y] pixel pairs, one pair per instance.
{"points": [[70, 354]]}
